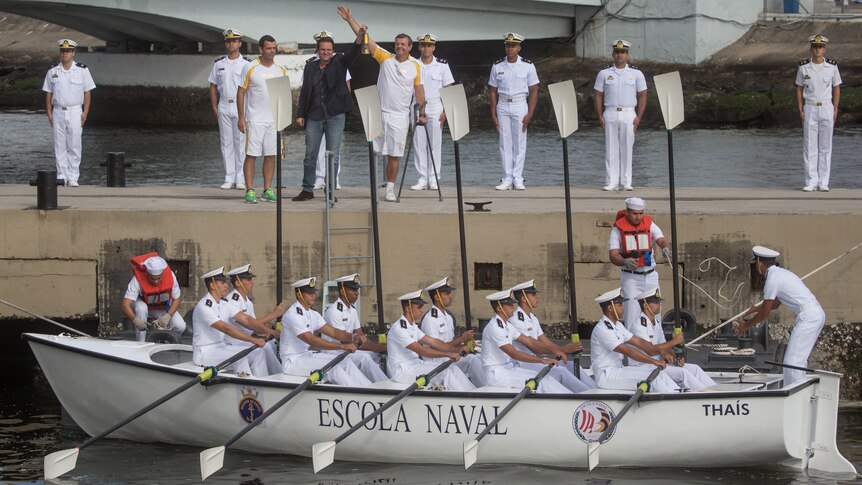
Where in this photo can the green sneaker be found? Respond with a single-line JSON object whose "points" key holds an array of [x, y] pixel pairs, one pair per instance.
{"points": [[268, 194], [250, 196]]}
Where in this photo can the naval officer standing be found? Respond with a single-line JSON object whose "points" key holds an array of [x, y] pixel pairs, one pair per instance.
{"points": [[620, 89], [818, 84], [67, 89], [513, 92], [225, 77]]}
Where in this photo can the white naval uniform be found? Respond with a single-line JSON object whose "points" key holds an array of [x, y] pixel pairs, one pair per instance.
{"points": [[144, 312], [438, 323], [343, 316], [786, 287], [260, 135], [500, 369], [226, 76], [321, 167], [209, 347], [434, 76], [404, 365], [817, 81], [396, 83], [636, 283], [619, 88], [689, 376], [513, 81], [235, 304], [528, 324], [297, 360], [67, 89], [607, 364]]}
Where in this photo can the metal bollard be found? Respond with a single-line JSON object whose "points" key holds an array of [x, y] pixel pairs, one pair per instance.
{"points": [[116, 163], [46, 189]]}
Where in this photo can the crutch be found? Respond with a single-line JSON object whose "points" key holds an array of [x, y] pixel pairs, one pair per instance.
{"points": [[409, 149]]}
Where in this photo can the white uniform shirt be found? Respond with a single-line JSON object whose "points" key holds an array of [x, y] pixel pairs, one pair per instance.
{"points": [[786, 287], [254, 76], [400, 335], [68, 87], [226, 75], [396, 81], [605, 338], [434, 76], [620, 87], [527, 324], [818, 80], [439, 324], [297, 321], [234, 305], [654, 232], [343, 317], [496, 334], [652, 332], [513, 78], [133, 291], [207, 312]]}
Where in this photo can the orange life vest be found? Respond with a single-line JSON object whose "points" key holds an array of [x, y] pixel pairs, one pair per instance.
{"points": [[635, 241], [155, 296]]}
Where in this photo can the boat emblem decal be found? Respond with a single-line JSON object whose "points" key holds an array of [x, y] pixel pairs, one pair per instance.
{"points": [[250, 407], [591, 419]]}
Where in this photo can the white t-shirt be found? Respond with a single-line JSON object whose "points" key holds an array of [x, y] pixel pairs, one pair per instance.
{"points": [[654, 232], [342, 316], [68, 87], [254, 76], [234, 305], [400, 335], [817, 80], [226, 75], [526, 324], [496, 334], [605, 338], [434, 76], [513, 78], [620, 87], [396, 81], [652, 332], [207, 312], [133, 291], [786, 287], [295, 322]]}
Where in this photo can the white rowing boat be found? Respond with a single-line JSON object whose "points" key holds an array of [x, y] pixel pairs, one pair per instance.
{"points": [[745, 420]]}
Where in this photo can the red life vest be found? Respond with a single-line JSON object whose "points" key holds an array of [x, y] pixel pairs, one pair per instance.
{"points": [[635, 241], [155, 296]]}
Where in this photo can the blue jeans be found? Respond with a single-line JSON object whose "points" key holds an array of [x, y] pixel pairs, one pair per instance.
{"points": [[314, 130]]}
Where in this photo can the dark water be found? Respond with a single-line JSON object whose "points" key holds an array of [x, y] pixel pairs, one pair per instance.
{"points": [[703, 157], [30, 427]]}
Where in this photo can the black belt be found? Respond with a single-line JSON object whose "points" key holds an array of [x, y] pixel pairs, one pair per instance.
{"points": [[638, 272]]}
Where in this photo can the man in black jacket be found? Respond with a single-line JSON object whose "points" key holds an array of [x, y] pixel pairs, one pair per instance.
{"points": [[324, 100]]}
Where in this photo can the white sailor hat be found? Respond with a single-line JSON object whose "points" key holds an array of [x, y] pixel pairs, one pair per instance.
{"points": [[155, 265], [765, 253], [505, 297], [621, 45], [635, 204], [67, 44], [323, 34], [443, 285], [427, 39], [513, 38], [414, 297], [525, 287], [350, 281], [216, 274], [613, 295], [230, 34], [653, 294], [243, 272], [305, 285], [818, 40]]}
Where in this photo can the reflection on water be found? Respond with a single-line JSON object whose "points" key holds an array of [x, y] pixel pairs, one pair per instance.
{"points": [[703, 157]]}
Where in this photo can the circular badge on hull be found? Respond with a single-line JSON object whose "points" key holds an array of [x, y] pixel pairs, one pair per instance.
{"points": [[250, 407], [591, 419]]}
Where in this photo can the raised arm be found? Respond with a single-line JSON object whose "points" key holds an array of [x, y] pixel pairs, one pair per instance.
{"points": [[358, 29]]}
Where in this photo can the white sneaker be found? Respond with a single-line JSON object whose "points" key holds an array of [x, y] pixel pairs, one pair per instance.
{"points": [[824, 188], [520, 186], [319, 185], [419, 186], [337, 186], [390, 195], [72, 183], [240, 185], [609, 188], [226, 185], [504, 186], [628, 187], [808, 188], [432, 187]]}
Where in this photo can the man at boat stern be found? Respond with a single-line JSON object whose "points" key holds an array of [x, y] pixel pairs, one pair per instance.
{"points": [[611, 342], [152, 294], [782, 286]]}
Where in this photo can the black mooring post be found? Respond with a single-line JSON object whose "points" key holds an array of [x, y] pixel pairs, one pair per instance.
{"points": [[116, 163], [46, 189]]}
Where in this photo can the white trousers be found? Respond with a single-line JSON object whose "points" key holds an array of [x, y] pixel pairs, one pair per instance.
{"points": [[809, 324], [632, 285], [585, 378], [470, 364], [560, 374], [253, 364], [817, 143], [422, 159], [144, 312], [513, 141], [627, 378], [321, 167], [689, 376], [345, 373], [514, 376], [232, 142], [619, 141], [67, 142], [367, 362], [453, 379]]}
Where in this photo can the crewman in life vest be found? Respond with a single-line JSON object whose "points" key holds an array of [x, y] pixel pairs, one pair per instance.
{"points": [[153, 294], [631, 248]]}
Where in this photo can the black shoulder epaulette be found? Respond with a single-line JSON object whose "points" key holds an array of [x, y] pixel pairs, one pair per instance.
{"points": [[520, 315], [500, 323], [299, 310], [527, 60], [235, 296], [434, 313], [340, 306], [501, 60], [634, 67], [403, 323], [609, 325], [82, 66], [209, 303], [832, 61], [643, 321], [804, 62], [218, 59], [442, 61]]}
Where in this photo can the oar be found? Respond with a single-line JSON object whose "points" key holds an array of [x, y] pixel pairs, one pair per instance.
{"points": [[212, 459], [471, 448], [794, 367], [323, 454], [593, 447], [62, 461], [40, 317]]}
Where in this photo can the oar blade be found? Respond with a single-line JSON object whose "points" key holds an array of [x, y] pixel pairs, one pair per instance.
{"points": [[60, 462], [212, 460], [322, 455], [471, 453], [593, 455]]}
